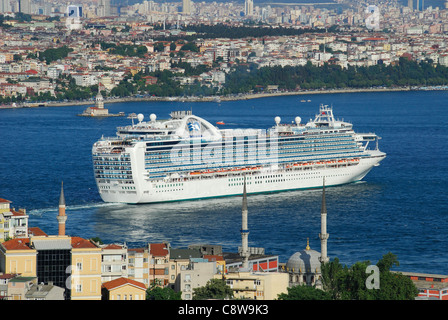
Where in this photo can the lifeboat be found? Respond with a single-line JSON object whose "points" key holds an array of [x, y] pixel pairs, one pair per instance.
{"points": [[220, 122]]}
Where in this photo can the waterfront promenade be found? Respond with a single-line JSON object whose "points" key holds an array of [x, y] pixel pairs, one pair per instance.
{"points": [[246, 96]]}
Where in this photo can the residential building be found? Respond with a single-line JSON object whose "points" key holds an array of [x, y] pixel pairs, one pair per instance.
{"points": [[4, 280], [17, 286], [159, 264], [114, 262], [138, 265], [123, 289], [13, 224], [179, 261], [197, 274], [257, 285], [86, 270], [18, 257]]}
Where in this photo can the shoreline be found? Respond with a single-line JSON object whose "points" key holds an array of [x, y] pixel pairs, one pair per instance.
{"points": [[217, 99]]}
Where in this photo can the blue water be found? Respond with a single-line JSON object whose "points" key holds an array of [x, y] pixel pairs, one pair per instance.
{"points": [[400, 207]]}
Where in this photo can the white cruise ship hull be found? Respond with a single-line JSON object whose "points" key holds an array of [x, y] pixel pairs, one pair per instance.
{"points": [[263, 181]]}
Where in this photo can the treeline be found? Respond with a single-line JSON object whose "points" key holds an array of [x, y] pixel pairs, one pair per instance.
{"points": [[225, 31], [404, 73]]}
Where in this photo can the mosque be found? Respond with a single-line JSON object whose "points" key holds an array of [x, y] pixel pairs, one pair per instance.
{"points": [[304, 267]]}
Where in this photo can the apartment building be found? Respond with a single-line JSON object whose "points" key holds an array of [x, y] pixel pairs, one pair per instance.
{"points": [[198, 272], [13, 224], [257, 285]]}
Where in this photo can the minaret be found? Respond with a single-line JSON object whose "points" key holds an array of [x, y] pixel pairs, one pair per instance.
{"points": [[323, 235], [244, 231], [61, 216]]}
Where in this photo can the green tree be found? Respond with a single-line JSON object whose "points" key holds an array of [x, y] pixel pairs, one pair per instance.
{"points": [[214, 289], [304, 292], [349, 283], [158, 293]]}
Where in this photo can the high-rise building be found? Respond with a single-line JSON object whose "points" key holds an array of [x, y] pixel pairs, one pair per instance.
{"points": [[104, 8], [186, 6], [248, 7], [5, 6], [25, 6], [420, 5]]}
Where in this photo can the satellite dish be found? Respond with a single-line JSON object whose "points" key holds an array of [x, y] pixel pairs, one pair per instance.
{"points": [[140, 117]]}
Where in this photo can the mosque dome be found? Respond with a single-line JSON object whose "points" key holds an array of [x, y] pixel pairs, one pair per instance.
{"points": [[305, 261]]}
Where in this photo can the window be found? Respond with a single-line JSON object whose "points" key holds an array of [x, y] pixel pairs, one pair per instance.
{"points": [[79, 266]]}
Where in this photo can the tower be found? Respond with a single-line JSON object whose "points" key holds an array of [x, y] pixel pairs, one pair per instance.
{"points": [[248, 7], [99, 100], [323, 235], [244, 231], [61, 216], [25, 6], [186, 6]]}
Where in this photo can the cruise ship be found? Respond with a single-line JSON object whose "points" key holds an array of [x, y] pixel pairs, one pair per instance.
{"points": [[186, 157]]}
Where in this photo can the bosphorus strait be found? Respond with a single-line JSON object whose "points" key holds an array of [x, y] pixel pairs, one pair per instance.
{"points": [[399, 207]]}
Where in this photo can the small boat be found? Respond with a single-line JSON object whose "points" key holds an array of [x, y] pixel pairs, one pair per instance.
{"points": [[220, 122]]}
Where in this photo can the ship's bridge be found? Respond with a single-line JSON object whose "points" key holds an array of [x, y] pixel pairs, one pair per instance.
{"points": [[325, 119]]}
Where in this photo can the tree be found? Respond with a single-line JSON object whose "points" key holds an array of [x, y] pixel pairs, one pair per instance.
{"points": [[214, 289], [304, 292], [344, 283], [158, 293]]}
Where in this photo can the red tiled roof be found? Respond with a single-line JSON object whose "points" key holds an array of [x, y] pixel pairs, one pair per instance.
{"points": [[17, 244], [158, 249], [36, 231], [113, 246], [4, 200], [78, 242], [18, 213], [113, 284]]}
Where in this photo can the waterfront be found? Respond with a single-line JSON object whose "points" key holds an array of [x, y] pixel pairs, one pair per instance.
{"points": [[400, 207]]}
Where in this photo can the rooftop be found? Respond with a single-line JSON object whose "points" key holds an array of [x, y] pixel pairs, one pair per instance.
{"points": [[113, 284]]}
